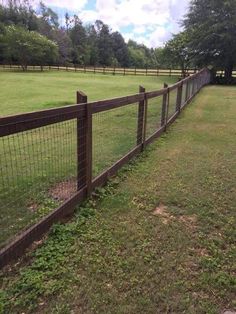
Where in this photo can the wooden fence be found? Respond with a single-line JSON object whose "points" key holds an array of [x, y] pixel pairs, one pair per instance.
{"points": [[172, 100], [104, 70]]}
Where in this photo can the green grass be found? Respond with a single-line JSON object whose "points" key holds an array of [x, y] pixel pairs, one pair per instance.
{"points": [[23, 92], [35, 162], [117, 256]]}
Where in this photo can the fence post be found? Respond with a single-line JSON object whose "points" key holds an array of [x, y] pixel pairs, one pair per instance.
{"points": [[164, 106], [124, 71], [179, 97], [140, 126], [187, 91], [84, 146]]}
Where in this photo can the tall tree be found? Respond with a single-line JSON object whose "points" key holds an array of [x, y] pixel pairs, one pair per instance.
{"points": [[79, 41], [120, 49], [211, 26], [105, 51], [177, 52]]}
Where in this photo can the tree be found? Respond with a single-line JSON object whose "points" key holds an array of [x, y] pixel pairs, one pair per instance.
{"points": [[177, 52], [211, 26], [28, 47], [105, 51], [120, 50], [79, 41]]}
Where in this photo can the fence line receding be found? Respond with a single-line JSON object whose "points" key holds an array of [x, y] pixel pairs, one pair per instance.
{"points": [[51, 160]]}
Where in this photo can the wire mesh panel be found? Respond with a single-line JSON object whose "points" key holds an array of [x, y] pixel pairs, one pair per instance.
{"points": [[38, 171], [154, 110], [172, 102], [114, 135], [184, 91]]}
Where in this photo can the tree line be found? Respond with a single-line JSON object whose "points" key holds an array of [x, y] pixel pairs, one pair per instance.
{"points": [[208, 38], [28, 37]]}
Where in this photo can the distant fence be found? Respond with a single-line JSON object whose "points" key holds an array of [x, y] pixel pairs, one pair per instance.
{"points": [[109, 70], [105, 70], [63, 154]]}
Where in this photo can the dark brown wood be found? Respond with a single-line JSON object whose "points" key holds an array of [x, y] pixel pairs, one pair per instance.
{"points": [[179, 97], [81, 143], [156, 93], [89, 149], [140, 123], [164, 105], [29, 121], [104, 105], [145, 122]]}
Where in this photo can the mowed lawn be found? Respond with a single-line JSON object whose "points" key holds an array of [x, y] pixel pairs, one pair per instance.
{"points": [[34, 162], [23, 92], [160, 238]]}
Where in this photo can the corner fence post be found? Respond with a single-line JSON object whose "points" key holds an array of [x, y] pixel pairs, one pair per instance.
{"points": [[164, 107], [84, 145], [140, 126]]}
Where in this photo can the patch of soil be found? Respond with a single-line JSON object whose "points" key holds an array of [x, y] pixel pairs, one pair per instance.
{"points": [[189, 221], [64, 190], [161, 211]]}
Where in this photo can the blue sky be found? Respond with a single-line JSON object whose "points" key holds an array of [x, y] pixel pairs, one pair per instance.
{"points": [[147, 21]]}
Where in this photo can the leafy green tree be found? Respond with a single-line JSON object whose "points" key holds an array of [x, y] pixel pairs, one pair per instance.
{"points": [[104, 40], [92, 45], [120, 50], [211, 26], [79, 41], [16, 12], [28, 47], [177, 52]]}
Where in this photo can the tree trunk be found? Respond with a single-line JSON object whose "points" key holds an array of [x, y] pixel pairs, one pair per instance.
{"points": [[229, 71]]}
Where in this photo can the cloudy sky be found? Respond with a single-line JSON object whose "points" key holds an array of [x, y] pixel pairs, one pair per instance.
{"points": [[147, 21]]}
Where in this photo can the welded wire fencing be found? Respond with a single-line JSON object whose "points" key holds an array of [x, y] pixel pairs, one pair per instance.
{"points": [[52, 160]]}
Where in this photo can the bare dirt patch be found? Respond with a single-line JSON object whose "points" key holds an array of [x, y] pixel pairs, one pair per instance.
{"points": [[63, 190], [161, 211], [189, 221]]}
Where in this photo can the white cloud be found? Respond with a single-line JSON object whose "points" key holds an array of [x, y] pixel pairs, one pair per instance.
{"points": [[67, 4], [153, 21]]}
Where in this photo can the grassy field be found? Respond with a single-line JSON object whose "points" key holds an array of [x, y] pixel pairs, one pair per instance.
{"points": [[160, 238], [43, 160], [23, 92]]}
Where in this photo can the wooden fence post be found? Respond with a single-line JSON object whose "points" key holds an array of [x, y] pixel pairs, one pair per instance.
{"points": [[140, 126], [179, 97], [84, 146], [164, 106], [124, 71]]}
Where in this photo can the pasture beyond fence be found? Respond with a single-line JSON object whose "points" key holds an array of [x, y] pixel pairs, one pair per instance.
{"points": [[52, 160]]}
